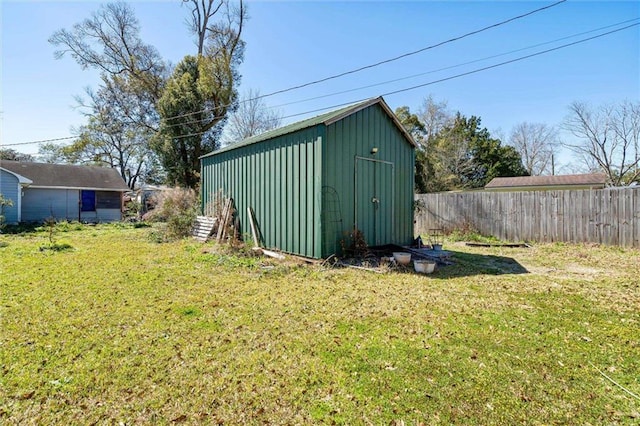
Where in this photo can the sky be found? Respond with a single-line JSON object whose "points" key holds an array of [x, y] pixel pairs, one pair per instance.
{"points": [[289, 43]]}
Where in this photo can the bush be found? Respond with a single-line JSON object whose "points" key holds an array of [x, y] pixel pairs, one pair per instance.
{"points": [[177, 208]]}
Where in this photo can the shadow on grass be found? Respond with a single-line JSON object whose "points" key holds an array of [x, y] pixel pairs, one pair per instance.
{"points": [[467, 264], [26, 228], [450, 263]]}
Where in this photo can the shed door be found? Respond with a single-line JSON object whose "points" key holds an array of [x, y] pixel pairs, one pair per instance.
{"points": [[374, 200]]}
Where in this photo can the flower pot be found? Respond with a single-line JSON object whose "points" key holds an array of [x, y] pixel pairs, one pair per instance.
{"points": [[424, 266], [402, 258]]}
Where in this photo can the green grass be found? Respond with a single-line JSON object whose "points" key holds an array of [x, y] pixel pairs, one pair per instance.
{"points": [[119, 329]]}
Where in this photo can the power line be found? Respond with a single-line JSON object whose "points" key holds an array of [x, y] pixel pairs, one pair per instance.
{"points": [[385, 61], [414, 75], [450, 66], [510, 61], [472, 71], [407, 88], [39, 141], [404, 55]]}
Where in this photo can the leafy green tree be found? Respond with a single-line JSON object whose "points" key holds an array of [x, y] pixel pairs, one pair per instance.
{"points": [[189, 128], [455, 152], [412, 123], [468, 157], [424, 126], [201, 91], [415, 127]]}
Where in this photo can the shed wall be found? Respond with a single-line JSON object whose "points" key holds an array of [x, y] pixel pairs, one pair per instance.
{"points": [[354, 137], [280, 179], [10, 190]]}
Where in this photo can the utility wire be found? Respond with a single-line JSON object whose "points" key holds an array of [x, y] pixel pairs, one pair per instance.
{"points": [[385, 61], [420, 74], [510, 61], [415, 75], [477, 70], [449, 67], [38, 142]]}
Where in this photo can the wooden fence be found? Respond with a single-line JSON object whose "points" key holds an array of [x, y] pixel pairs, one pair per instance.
{"points": [[606, 216]]}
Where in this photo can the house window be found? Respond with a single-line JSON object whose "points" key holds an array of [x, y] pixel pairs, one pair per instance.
{"points": [[88, 201], [108, 200]]}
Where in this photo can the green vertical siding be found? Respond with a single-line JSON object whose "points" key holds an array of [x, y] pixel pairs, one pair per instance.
{"points": [[279, 179], [301, 184], [355, 136]]}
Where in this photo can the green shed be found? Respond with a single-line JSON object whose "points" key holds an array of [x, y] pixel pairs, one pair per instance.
{"points": [[311, 183]]}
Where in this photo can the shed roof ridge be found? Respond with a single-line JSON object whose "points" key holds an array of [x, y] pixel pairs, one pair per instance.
{"points": [[325, 118]]}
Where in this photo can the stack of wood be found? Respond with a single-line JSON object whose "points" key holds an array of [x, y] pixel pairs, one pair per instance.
{"points": [[225, 220]]}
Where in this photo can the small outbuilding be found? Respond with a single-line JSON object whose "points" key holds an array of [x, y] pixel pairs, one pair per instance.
{"points": [[312, 183], [65, 192]]}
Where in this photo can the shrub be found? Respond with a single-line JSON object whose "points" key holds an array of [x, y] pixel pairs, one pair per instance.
{"points": [[4, 202], [177, 208]]}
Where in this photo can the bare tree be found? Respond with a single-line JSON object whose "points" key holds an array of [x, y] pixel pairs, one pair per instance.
{"points": [[251, 118], [121, 113], [110, 42], [609, 137], [537, 144], [434, 117], [215, 35]]}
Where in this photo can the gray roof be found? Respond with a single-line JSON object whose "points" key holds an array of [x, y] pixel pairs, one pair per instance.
{"points": [[595, 179], [47, 175], [325, 118]]}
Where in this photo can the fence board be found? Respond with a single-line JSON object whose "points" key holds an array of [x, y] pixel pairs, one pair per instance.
{"points": [[606, 216]]}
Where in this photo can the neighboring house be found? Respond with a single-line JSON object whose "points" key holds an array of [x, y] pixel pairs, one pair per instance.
{"points": [[64, 192], [11, 186], [547, 183], [313, 182]]}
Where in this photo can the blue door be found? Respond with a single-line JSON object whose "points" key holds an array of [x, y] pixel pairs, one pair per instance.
{"points": [[88, 201]]}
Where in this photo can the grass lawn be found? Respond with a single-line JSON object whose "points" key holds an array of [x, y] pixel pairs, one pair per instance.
{"points": [[118, 329]]}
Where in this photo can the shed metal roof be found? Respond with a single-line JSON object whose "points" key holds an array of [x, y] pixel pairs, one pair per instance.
{"points": [[558, 180], [47, 175], [326, 118]]}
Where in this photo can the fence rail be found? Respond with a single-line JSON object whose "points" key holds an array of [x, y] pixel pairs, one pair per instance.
{"points": [[605, 216]]}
